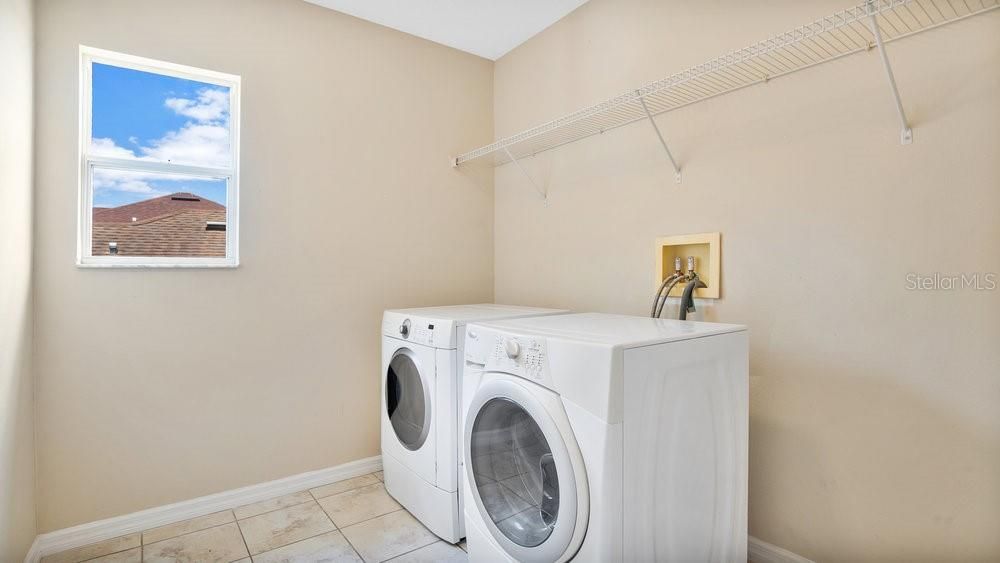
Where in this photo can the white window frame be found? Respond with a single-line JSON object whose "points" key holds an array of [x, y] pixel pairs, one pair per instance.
{"points": [[84, 253]]}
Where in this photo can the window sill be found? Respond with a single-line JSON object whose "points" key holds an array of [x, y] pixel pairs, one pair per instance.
{"points": [[103, 264]]}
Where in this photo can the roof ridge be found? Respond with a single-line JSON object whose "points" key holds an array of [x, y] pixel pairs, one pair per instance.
{"points": [[172, 214], [152, 219]]}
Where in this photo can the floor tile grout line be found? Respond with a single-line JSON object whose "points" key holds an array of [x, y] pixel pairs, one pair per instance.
{"points": [[309, 490], [244, 538], [236, 520], [276, 509], [298, 541], [98, 542], [361, 521], [106, 554], [188, 533], [142, 553], [337, 527], [434, 541], [332, 523], [351, 545], [328, 517], [142, 534], [373, 518], [377, 482]]}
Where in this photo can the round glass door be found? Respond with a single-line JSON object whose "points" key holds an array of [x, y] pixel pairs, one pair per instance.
{"points": [[406, 401], [515, 473]]}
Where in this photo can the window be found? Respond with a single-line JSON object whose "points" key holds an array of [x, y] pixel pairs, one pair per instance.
{"points": [[159, 162]]}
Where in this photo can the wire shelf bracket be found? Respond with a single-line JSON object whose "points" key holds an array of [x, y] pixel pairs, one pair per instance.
{"points": [[867, 26], [677, 169], [534, 184], [906, 133]]}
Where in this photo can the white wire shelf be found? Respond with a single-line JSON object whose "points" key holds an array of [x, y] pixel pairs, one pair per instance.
{"points": [[830, 38]]}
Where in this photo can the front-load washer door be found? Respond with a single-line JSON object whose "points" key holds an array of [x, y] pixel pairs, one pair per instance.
{"points": [[407, 401], [408, 432], [524, 479]]}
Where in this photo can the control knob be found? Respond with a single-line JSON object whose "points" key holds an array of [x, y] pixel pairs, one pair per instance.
{"points": [[512, 347]]}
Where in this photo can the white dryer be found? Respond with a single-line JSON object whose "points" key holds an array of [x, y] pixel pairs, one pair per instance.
{"points": [[421, 396], [605, 438]]}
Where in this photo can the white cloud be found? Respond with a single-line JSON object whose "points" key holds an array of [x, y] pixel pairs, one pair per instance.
{"points": [[107, 180], [130, 181], [204, 141], [198, 144], [211, 105], [107, 147]]}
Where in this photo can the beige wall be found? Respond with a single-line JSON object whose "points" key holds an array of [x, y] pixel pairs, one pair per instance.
{"points": [[875, 432], [155, 386], [17, 455]]}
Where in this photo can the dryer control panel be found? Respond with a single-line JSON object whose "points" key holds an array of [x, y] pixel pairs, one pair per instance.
{"points": [[416, 330], [422, 333], [520, 355]]}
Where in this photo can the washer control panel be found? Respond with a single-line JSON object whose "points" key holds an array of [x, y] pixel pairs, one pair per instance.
{"points": [[519, 355]]}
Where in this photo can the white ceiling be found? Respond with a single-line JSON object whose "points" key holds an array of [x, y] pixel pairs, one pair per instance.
{"points": [[488, 28]]}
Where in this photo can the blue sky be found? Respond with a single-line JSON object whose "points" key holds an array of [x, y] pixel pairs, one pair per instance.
{"points": [[146, 116]]}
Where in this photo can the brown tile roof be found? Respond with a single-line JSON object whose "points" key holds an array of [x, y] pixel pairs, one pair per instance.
{"points": [[156, 207], [179, 231]]}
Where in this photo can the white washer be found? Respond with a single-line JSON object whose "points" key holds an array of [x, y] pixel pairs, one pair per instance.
{"points": [[421, 396], [605, 438]]}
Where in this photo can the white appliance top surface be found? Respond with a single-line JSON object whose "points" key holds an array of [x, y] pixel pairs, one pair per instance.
{"points": [[478, 312], [612, 330]]}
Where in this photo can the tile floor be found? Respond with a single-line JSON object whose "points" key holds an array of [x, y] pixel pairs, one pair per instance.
{"points": [[347, 521]]}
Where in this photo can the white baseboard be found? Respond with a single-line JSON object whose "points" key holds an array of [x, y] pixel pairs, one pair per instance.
{"points": [[92, 532], [763, 552]]}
